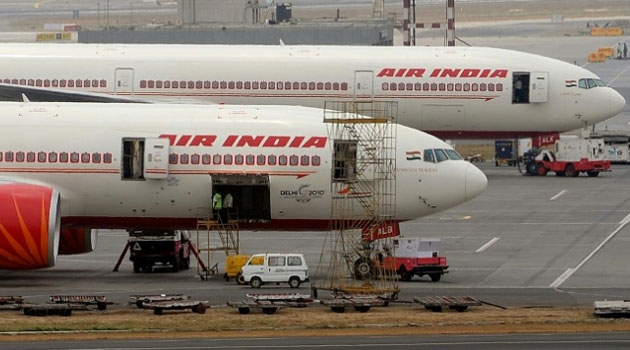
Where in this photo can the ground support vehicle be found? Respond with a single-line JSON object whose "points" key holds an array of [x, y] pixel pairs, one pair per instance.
{"points": [[233, 266], [270, 303], [168, 247], [52, 309], [359, 303], [159, 307], [547, 161], [140, 300], [415, 256], [275, 268], [504, 153], [98, 300], [435, 304]]}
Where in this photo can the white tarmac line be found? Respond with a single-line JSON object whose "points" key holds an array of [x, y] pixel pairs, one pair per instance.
{"points": [[487, 245], [558, 195], [569, 272], [618, 75]]}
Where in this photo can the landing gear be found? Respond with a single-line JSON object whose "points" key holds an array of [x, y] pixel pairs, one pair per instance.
{"points": [[364, 269]]}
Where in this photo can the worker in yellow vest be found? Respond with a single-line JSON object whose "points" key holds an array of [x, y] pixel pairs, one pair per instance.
{"points": [[217, 204]]}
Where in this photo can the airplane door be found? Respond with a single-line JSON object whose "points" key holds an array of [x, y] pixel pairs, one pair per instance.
{"points": [[124, 80], [156, 158], [539, 87], [363, 84]]}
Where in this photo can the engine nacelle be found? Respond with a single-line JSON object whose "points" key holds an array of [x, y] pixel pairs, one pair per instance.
{"points": [[29, 226], [77, 241]]}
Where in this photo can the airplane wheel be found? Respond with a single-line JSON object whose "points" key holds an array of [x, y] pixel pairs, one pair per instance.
{"points": [[363, 269]]}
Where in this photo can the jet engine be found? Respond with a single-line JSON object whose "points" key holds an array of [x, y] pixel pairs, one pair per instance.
{"points": [[29, 226], [77, 241]]}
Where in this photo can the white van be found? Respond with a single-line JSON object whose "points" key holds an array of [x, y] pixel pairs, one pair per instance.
{"points": [[275, 268]]}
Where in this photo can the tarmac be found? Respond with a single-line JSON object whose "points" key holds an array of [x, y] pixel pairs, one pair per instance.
{"points": [[526, 241]]}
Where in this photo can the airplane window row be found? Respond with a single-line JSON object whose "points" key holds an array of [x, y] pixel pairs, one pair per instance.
{"points": [[442, 86], [81, 83], [439, 155], [239, 159], [54, 157], [591, 83], [246, 85]]}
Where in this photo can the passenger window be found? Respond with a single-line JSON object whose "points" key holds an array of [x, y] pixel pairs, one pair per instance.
{"points": [[582, 84], [295, 261], [428, 156], [452, 154], [277, 261], [591, 83], [440, 155]]}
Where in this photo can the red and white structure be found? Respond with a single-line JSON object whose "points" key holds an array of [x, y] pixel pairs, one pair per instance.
{"points": [[410, 25]]}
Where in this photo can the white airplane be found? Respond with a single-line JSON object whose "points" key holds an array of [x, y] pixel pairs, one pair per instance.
{"points": [[450, 92], [67, 168]]}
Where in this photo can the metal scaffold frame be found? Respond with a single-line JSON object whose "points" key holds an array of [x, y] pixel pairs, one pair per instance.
{"points": [[214, 235], [363, 194]]}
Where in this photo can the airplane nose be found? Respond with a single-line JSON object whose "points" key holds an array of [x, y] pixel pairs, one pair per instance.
{"points": [[617, 103], [476, 182]]}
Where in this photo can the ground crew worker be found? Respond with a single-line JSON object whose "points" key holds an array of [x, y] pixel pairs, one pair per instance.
{"points": [[217, 202], [228, 202]]}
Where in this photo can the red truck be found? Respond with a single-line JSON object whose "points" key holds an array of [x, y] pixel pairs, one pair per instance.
{"points": [[416, 256], [572, 156]]}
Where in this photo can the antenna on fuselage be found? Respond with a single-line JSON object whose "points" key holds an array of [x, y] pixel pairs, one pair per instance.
{"points": [[24, 98]]}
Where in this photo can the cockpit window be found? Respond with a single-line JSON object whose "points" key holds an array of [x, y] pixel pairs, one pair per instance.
{"points": [[591, 83], [428, 156], [440, 155], [452, 154], [582, 84]]}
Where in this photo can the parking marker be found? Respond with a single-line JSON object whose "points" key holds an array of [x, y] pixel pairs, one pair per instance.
{"points": [[558, 195], [487, 245]]}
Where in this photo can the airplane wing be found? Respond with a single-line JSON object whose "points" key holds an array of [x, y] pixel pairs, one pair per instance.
{"points": [[36, 94]]}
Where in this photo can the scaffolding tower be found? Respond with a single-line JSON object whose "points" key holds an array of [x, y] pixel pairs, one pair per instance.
{"points": [[363, 190], [215, 233]]}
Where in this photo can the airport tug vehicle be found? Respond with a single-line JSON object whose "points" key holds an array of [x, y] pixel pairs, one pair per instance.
{"points": [[150, 247], [415, 256], [571, 157]]}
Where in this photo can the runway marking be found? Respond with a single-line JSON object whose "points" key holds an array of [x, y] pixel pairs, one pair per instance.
{"points": [[569, 272], [618, 75], [487, 245], [558, 195]]}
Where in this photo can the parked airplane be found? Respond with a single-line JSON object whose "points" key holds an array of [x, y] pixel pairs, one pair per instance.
{"points": [[451, 92], [66, 168]]}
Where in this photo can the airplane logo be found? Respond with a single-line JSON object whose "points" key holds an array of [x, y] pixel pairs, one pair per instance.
{"points": [[570, 83]]}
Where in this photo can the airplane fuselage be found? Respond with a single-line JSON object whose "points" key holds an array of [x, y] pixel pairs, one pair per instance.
{"points": [[449, 92], [126, 166]]}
